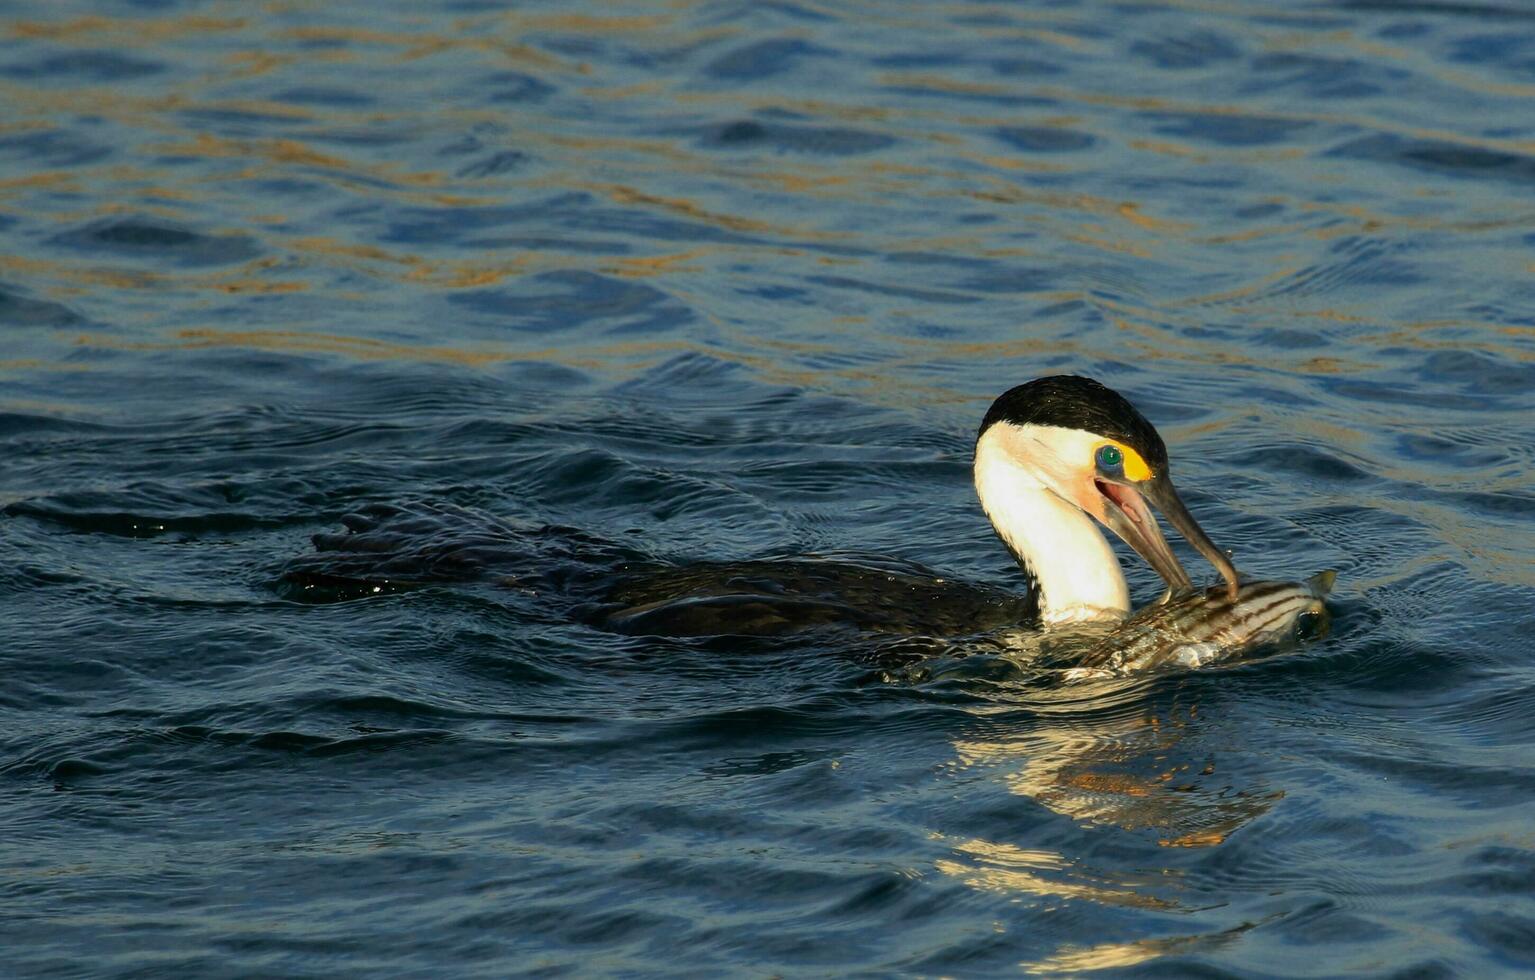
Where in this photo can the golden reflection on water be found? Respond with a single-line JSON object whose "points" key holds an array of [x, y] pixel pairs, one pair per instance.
{"points": [[1011, 870], [1460, 76], [623, 194], [585, 23], [54, 180], [367, 348], [1360, 122], [1120, 769], [1072, 960], [1121, 765], [1485, 548], [417, 46], [291, 152], [880, 382], [71, 279], [489, 37], [939, 83], [1123, 226], [132, 30]]}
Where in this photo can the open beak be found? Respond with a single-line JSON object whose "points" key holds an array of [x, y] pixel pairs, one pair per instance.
{"points": [[1128, 516]]}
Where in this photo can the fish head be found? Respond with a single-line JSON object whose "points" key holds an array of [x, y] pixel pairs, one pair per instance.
{"points": [[1312, 620]]}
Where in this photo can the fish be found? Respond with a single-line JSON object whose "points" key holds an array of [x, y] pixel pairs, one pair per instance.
{"points": [[1198, 628]]}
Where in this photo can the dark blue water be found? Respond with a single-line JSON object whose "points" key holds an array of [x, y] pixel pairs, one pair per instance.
{"points": [[712, 281]]}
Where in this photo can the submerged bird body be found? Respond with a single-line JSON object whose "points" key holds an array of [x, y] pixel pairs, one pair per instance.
{"points": [[778, 596]]}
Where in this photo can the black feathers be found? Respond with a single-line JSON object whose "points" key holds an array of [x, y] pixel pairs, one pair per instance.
{"points": [[1070, 402]]}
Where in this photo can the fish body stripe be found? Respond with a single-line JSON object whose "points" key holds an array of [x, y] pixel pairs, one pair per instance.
{"points": [[1244, 612], [1202, 627]]}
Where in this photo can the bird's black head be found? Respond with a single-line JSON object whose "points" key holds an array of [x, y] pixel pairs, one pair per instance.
{"points": [[1070, 402]]}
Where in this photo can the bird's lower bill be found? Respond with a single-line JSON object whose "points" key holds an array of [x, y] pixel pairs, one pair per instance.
{"points": [[1128, 516]]}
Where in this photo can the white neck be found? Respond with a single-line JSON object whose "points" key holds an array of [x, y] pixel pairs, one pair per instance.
{"points": [[1078, 575]]}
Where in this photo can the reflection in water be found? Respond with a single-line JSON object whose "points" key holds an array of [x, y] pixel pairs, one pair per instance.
{"points": [[1107, 956], [1012, 870], [1108, 757], [1121, 762]]}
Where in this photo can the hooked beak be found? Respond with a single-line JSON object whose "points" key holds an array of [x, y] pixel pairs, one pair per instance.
{"points": [[1128, 516]]}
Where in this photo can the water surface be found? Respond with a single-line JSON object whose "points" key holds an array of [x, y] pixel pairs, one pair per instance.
{"points": [[709, 281]]}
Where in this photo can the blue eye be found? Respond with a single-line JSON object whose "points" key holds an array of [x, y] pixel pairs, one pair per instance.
{"points": [[1110, 458]]}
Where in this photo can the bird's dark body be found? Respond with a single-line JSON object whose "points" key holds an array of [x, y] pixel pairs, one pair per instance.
{"points": [[778, 596], [396, 548]]}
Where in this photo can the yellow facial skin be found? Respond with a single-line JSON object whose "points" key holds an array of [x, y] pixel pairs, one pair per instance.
{"points": [[1135, 467]]}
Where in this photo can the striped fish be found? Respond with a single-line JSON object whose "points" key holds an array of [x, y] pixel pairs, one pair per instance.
{"points": [[1200, 628]]}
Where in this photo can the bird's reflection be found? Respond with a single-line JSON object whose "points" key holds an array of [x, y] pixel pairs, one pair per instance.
{"points": [[1012, 870], [1124, 754], [1139, 766], [1072, 960], [1112, 754]]}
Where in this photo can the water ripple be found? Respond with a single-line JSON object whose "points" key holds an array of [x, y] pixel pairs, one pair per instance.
{"points": [[352, 350]]}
